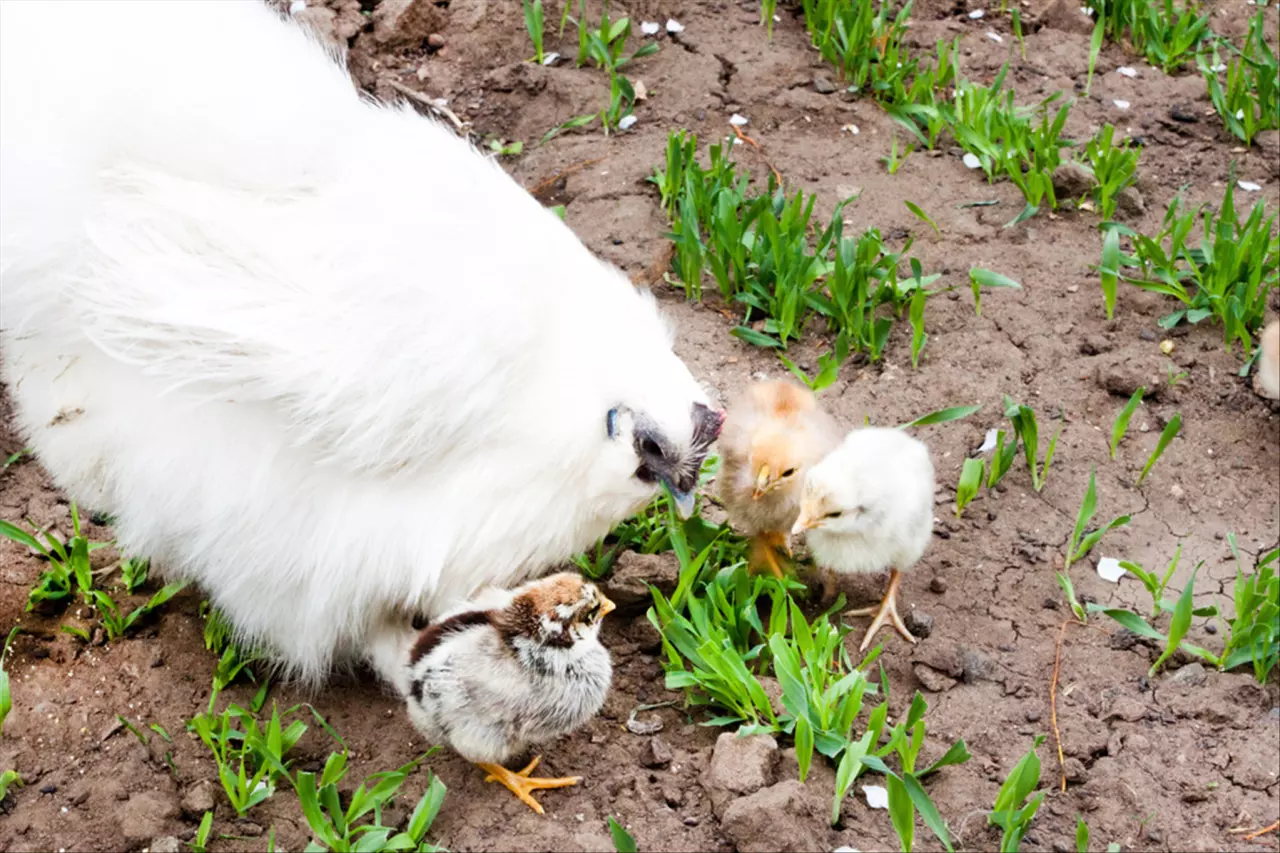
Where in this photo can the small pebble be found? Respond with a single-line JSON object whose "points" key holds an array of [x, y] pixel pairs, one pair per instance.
{"points": [[435, 40], [691, 821], [1210, 628], [919, 623], [938, 585]]}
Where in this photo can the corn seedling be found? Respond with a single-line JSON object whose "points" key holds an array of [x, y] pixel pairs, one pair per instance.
{"points": [[980, 278], [6, 697], [1121, 424], [1095, 48], [200, 844], [1168, 36], [116, 623], [533, 24], [14, 458], [1253, 634], [1171, 429], [970, 479], [1013, 812], [919, 337], [1248, 102], [622, 840], [502, 148], [133, 572], [8, 778], [1174, 377], [1113, 166], [828, 365], [1002, 458], [1083, 540], [918, 213], [1154, 585], [906, 793], [861, 42], [893, 162], [1109, 270], [68, 563], [1228, 277], [336, 829], [1026, 429]]}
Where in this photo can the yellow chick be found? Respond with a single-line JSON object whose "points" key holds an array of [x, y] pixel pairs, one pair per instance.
{"points": [[773, 432]]}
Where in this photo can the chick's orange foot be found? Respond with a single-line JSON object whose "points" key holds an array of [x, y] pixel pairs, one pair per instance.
{"points": [[522, 784], [766, 551], [887, 611]]}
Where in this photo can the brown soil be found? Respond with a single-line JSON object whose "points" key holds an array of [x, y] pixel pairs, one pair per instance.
{"points": [[1180, 761]]}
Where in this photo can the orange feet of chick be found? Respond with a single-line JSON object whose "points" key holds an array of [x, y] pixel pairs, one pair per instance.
{"points": [[766, 553], [886, 612], [522, 784]]}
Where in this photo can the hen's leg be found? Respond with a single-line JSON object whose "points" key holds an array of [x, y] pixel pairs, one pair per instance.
{"points": [[888, 610], [521, 784]]}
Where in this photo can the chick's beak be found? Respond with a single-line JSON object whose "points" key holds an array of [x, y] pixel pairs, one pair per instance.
{"points": [[808, 519], [606, 606], [762, 483]]}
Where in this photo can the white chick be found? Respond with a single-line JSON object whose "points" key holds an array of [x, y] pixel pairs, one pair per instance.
{"points": [[772, 433], [868, 506], [496, 676]]}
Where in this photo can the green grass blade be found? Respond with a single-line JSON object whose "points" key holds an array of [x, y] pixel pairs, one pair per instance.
{"points": [[1179, 624], [970, 478], [941, 416], [1121, 424], [927, 810], [622, 840], [1171, 429], [922, 216]]}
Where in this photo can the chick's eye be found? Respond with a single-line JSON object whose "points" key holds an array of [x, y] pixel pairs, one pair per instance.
{"points": [[788, 472], [835, 514], [592, 615]]}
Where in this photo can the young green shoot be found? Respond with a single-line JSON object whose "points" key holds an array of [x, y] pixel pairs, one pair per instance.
{"points": [[6, 698], [922, 216], [1013, 812], [622, 840], [1109, 270], [533, 24], [200, 844], [1027, 429], [1083, 540], [979, 278], [7, 779], [942, 416], [1002, 458], [1121, 424], [970, 479], [1171, 429]]}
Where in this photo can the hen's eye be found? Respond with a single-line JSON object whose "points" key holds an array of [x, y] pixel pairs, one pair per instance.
{"points": [[835, 514], [650, 447], [645, 474], [788, 472], [592, 615]]}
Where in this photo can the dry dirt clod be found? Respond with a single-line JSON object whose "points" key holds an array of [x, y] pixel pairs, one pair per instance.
{"points": [[167, 844], [628, 587], [146, 816], [777, 818], [740, 766], [656, 753], [919, 623], [198, 799]]}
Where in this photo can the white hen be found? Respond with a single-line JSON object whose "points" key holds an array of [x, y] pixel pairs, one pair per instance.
{"points": [[868, 506], [313, 352]]}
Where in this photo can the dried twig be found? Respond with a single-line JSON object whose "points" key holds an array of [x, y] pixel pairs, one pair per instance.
{"points": [[651, 274], [756, 145], [1273, 828], [1053, 700], [563, 173], [436, 105]]}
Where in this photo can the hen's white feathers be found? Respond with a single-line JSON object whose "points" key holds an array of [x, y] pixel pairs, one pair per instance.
{"points": [[314, 352]]}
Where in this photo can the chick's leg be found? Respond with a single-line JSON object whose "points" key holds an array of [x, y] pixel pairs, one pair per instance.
{"points": [[522, 784], [888, 609], [764, 552]]}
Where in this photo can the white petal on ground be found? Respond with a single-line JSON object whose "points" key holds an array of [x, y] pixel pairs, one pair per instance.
{"points": [[626, 122], [650, 28], [1124, 105], [877, 797], [738, 120], [550, 58], [1126, 71], [976, 14], [1249, 186], [989, 443], [994, 36], [1109, 569], [850, 128], [674, 26], [972, 161]]}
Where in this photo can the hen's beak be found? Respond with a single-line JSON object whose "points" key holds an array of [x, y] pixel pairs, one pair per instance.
{"points": [[684, 501], [762, 483], [606, 606]]}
